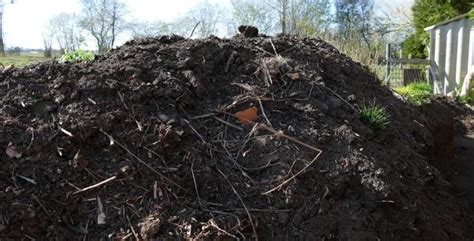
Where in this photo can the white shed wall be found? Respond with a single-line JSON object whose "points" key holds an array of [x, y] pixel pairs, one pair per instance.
{"points": [[452, 49]]}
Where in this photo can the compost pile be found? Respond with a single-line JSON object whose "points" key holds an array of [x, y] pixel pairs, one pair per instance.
{"points": [[159, 139]]}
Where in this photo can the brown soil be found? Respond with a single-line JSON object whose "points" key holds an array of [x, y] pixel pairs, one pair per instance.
{"points": [[461, 165], [155, 115]]}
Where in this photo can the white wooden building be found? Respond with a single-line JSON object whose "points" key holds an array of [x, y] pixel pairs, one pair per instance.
{"points": [[452, 52]]}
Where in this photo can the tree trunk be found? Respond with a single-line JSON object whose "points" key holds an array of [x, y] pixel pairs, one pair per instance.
{"points": [[283, 16], [2, 46], [114, 19]]}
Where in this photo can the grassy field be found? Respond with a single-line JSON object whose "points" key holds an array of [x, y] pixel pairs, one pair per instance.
{"points": [[22, 59]]}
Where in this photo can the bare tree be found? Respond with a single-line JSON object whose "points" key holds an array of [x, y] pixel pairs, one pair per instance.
{"points": [[394, 21], [66, 31], [2, 44], [254, 13], [296, 17], [48, 43], [103, 19], [140, 29], [354, 18], [208, 16]]}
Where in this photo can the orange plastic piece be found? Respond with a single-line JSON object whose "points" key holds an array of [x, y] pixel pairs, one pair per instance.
{"points": [[248, 115]]}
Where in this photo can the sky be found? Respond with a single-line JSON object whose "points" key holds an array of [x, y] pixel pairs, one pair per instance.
{"points": [[25, 20]]}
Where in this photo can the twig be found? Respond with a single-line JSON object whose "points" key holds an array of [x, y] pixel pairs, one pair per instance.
{"points": [[195, 131], [195, 26], [260, 210], [263, 50], [131, 227], [95, 185], [280, 133], [202, 116], [227, 123], [50, 65], [195, 185], [243, 204], [263, 112], [100, 212], [143, 162], [32, 137], [294, 176], [86, 231], [122, 99], [254, 128], [66, 132], [32, 181], [41, 205], [340, 97], [155, 187], [214, 225], [231, 58], [274, 49]]}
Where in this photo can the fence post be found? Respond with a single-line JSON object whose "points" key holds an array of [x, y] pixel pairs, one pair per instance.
{"points": [[388, 58]]}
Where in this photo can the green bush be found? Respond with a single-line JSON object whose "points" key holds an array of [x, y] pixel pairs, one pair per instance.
{"points": [[467, 99], [78, 56], [415, 46], [375, 116], [416, 93], [427, 13]]}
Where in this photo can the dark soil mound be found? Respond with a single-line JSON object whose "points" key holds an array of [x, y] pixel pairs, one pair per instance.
{"points": [[155, 120]]}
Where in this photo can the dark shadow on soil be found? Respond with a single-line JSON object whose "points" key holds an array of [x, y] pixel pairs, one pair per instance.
{"points": [[463, 175]]}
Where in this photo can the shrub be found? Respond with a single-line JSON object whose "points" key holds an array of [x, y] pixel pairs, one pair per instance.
{"points": [[14, 51], [416, 93], [78, 56], [374, 115]]}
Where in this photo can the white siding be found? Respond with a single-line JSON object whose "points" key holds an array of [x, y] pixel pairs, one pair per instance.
{"points": [[452, 49]]}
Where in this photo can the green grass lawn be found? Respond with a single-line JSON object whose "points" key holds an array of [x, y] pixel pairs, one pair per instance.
{"points": [[22, 59]]}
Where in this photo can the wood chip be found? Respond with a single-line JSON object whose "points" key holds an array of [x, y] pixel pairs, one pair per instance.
{"points": [[13, 152]]}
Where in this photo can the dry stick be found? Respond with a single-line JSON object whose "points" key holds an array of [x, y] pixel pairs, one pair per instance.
{"points": [[340, 97], [241, 201], [295, 141], [143, 162], [254, 128], [228, 123], [293, 177], [263, 50], [202, 116], [195, 26], [86, 231], [214, 224], [95, 185], [195, 185], [280, 133], [274, 49], [41, 205], [231, 58], [32, 137], [263, 112], [195, 131], [131, 227]]}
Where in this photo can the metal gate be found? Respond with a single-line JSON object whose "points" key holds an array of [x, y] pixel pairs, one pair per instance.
{"points": [[401, 72]]}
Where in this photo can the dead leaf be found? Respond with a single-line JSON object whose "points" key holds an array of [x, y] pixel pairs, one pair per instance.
{"points": [[248, 115], [244, 86], [13, 152], [8, 68], [100, 213], [293, 76]]}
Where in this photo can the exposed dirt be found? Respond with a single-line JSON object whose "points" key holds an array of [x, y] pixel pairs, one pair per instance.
{"points": [[461, 165], [155, 118]]}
